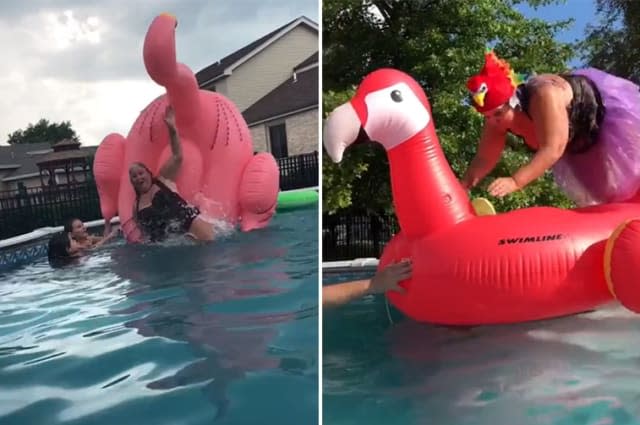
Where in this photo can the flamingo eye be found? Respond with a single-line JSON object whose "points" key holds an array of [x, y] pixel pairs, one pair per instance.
{"points": [[483, 88], [392, 123]]}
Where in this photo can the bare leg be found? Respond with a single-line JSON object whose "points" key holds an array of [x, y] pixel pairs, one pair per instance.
{"points": [[200, 230]]}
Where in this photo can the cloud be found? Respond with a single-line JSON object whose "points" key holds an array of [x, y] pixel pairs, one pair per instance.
{"points": [[81, 61]]}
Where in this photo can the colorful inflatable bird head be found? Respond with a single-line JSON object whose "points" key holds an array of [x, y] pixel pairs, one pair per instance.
{"points": [[494, 85]]}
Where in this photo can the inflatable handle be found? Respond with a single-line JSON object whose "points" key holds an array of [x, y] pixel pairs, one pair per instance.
{"points": [[483, 206], [621, 266], [259, 189], [107, 170]]}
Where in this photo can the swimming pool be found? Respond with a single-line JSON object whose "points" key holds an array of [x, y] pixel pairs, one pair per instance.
{"points": [[167, 335], [577, 370]]}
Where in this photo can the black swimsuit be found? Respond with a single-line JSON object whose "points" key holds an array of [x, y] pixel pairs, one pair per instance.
{"points": [[168, 213], [586, 112]]}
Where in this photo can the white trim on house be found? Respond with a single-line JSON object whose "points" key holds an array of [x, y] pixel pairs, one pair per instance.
{"points": [[306, 68], [229, 70], [9, 166], [285, 115], [40, 152], [224, 74]]}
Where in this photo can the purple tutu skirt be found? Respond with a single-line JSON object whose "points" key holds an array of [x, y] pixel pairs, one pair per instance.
{"points": [[610, 170]]}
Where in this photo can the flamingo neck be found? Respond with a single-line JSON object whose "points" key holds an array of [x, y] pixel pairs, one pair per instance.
{"points": [[427, 195], [184, 95]]}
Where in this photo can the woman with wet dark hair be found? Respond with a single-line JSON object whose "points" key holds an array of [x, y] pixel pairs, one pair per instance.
{"points": [[73, 242], [77, 231], [62, 250]]}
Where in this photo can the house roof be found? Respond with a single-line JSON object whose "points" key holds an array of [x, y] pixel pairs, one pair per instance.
{"points": [[298, 93], [66, 144], [61, 157], [226, 65], [311, 60], [24, 158], [63, 152]]}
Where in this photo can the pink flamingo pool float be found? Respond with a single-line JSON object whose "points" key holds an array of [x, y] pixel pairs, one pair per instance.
{"points": [[220, 173], [528, 264]]}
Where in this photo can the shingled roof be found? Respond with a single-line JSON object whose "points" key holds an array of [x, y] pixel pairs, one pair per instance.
{"points": [[23, 158], [65, 151], [225, 65], [298, 93]]}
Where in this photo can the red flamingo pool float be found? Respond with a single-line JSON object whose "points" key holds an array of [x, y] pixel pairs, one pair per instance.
{"points": [[220, 174], [527, 264]]}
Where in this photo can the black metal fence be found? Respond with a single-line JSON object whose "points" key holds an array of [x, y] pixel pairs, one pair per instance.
{"points": [[348, 235], [24, 210], [28, 209], [298, 171]]}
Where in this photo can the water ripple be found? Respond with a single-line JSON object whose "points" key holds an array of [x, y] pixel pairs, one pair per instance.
{"points": [[580, 370], [179, 334]]}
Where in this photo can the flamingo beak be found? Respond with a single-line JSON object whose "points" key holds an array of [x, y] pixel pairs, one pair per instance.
{"points": [[341, 130], [172, 16]]}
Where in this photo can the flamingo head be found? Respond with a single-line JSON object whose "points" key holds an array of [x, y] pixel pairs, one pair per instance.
{"points": [[389, 107]]}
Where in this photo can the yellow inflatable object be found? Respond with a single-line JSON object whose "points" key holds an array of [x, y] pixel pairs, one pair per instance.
{"points": [[483, 206]]}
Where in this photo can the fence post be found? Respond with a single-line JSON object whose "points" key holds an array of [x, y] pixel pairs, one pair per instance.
{"points": [[375, 234]]}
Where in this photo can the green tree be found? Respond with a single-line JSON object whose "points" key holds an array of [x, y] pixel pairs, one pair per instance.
{"points": [[440, 43], [43, 131], [613, 44]]}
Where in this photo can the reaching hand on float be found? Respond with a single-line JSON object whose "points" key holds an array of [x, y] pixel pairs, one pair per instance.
{"points": [[386, 279], [389, 278], [593, 151], [503, 186]]}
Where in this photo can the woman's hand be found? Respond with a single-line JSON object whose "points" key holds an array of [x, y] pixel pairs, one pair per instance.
{"points": [[171, 167], [503, 186], [384, 280], [389, 278], [112, 233], [107, 229], [170, 117], [75, 249]]}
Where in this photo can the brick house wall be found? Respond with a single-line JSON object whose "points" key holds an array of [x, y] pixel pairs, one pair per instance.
{"points": [[302, 133]]}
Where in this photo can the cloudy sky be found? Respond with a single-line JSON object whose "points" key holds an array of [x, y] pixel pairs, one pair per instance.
{"points": [[81, 60]]}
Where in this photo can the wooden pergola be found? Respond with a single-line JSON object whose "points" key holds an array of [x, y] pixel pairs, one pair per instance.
{"points": [[67, 157]]}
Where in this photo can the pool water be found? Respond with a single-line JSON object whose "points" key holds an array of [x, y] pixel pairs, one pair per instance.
{"points": [[580, 370], [178, 334]]}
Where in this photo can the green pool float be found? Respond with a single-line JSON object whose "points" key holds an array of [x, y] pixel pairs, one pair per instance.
{"points": [[296, 199]]}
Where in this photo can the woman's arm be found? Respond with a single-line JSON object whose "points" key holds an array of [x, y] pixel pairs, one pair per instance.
{"points": [[343, 293], [551, 121], [384, 280], [105, 239], [490, 149], [170, 168], [75, 249]]}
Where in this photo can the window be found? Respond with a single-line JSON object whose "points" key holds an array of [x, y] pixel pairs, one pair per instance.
{"points": [[278, 140]]}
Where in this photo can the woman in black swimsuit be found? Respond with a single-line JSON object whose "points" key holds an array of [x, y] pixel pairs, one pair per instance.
{"points": [[159, 210]]}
